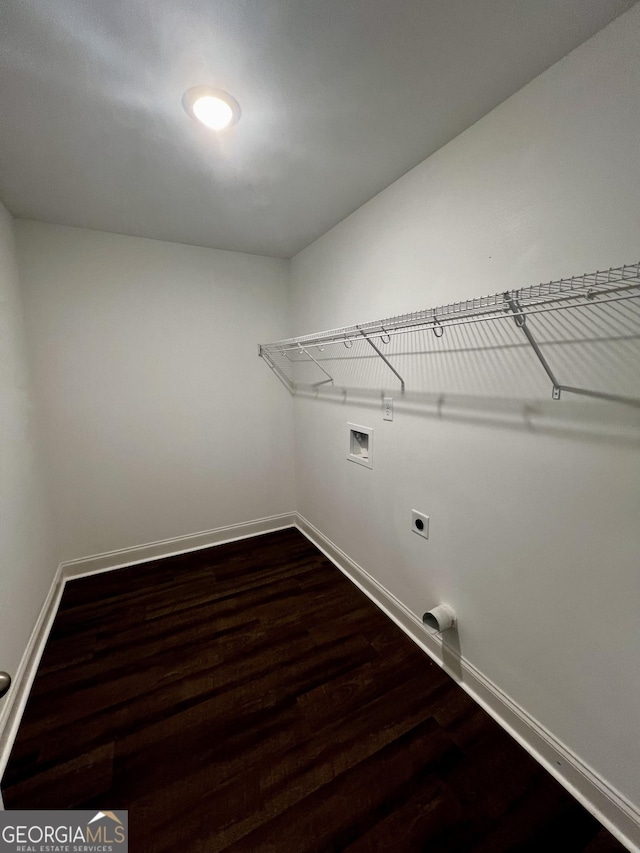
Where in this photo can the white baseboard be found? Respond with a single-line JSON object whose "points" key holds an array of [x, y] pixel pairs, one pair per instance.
{"points": [[21, 684], [16, 699], [178, 545], [610, 807]]}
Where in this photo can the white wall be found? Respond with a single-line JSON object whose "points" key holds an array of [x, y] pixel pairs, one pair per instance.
{"points": [[160, 418], [534, 509], [27, 558]]}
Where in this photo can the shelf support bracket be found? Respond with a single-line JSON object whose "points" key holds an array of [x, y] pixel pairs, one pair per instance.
{"points": [[383, 357], [322, 381], [520, 320]]}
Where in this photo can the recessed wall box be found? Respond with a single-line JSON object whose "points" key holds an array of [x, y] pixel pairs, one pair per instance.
{"points": [[420, 523], [360, 445]]}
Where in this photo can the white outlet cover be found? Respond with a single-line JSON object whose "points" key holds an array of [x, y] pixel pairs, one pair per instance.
{"points": [[420, 523]]}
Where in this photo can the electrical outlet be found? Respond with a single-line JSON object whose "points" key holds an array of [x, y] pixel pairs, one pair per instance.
{"points": [[420, 523], [387, 408]]}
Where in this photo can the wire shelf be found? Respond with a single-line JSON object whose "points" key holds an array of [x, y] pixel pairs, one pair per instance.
{"points": [[600, 307]]}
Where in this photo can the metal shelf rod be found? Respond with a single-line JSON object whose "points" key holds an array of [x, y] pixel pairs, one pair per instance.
{"points": [[564, 289], [424, 325], [584, 294]]}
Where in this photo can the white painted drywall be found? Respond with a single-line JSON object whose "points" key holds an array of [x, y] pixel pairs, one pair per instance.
{"points": [[535, 535], [27, 556], [160, 418]]}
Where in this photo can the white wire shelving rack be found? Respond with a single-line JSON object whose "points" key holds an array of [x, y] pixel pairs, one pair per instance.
{"points": [[590, 293]]}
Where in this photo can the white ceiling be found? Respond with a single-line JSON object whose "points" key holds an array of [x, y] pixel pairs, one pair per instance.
{"points": [[339, 98]]}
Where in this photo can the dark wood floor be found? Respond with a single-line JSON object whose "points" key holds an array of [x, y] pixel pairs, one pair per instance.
{"points": [[249, 698]]}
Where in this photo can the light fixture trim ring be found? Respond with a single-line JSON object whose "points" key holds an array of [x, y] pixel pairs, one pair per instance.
{"points": [[191, 96]]}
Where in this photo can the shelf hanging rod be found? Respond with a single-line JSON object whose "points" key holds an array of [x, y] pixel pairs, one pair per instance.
{"points": [[580, 294], [563, 290], [481, 317]]}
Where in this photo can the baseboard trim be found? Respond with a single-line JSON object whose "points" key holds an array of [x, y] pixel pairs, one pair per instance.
{"points": [[16, 700], [17, 697], [124, 557], [607, 804]]}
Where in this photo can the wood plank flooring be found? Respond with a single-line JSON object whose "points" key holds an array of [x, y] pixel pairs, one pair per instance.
{"points": [[249, 698]]}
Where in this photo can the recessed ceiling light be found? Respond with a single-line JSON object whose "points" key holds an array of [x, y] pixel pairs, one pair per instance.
{"points": [[213, 107]]}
